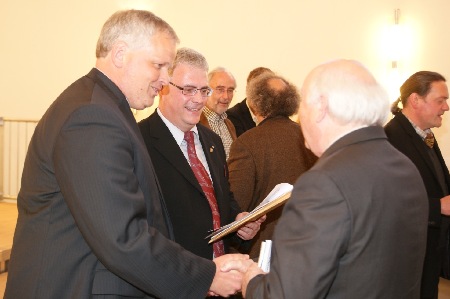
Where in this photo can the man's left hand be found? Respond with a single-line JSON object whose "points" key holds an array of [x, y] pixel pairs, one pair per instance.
{"points": [[250, 229]]}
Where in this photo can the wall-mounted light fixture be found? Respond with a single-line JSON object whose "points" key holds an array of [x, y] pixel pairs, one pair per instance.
{"points": [[396, 40]]}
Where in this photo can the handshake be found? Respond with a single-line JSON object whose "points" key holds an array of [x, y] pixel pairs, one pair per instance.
{"points": [[233, 272]]}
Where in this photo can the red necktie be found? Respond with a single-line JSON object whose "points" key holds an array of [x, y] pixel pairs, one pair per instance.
{"points": [[205, 182]]}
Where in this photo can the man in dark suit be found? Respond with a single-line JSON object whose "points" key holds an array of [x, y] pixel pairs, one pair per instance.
{"points": [[424, 99], [164, 133], [355, 225], [92, 221], [240, 114], [272, 153]]}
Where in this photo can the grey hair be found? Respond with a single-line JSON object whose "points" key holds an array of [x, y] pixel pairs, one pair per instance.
{"points": [[134, 27], [219, 69], [190, 57]]}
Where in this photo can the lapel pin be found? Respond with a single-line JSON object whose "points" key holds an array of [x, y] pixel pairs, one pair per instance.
{"points": [[211, 149]]}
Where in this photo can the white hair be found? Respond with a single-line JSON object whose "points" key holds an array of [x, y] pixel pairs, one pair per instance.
{"points": [[353, 94]]}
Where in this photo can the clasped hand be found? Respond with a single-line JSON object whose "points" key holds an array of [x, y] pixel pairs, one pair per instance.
{"points": [[233, 272]]}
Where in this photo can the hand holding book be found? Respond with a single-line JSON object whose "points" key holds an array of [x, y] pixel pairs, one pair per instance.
{"points": [[279, 194]]}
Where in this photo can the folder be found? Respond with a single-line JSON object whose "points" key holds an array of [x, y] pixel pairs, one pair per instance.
{"points": [[278, 196]]}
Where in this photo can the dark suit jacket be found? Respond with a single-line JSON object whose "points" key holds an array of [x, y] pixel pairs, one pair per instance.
{"points": [[274, 152], [355, 226], [403, 136], [187, 204], [241, 118], [92, 220]]}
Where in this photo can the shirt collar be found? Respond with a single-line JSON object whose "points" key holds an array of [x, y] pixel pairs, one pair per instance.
{"points": [[419, 131], [211, 115], [176, 133]]}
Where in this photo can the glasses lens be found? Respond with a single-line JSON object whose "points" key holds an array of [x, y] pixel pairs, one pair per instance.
{"points": [[230, 91], [189, 91], [205, 92]]}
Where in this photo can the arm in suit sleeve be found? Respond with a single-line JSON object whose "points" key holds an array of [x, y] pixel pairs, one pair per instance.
{"points": [[311, 235], [94, 162]]}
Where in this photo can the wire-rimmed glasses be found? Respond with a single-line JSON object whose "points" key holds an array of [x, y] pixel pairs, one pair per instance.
{"points": [[192, 91]]}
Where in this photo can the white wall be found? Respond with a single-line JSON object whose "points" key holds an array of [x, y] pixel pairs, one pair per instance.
{"points": [[47, 44]]}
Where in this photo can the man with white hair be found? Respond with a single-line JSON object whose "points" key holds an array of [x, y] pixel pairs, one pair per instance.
{"points": [[214, 114], [355, 225]]}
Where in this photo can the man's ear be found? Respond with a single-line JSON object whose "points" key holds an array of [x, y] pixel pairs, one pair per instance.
{"points": [[164, 90], [413, 100], [118, 53], [322, 108]]}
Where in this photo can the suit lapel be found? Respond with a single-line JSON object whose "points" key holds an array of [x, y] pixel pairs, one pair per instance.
{"points": [[165, 144], [419, 144]]}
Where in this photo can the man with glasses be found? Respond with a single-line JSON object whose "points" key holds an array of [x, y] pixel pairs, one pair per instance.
{"points": [[190, 162], [214, 116]]}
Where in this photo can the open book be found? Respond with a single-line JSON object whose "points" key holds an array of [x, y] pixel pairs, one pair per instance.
{"points": [[279, 194]]}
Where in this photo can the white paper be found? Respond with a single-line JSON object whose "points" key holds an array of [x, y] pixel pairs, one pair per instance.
{"points": [[265, 255]]}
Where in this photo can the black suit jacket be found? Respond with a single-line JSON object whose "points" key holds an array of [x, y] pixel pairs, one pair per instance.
{"points": [[403, 136], [241, 118], [91, 217], [187, 204]]}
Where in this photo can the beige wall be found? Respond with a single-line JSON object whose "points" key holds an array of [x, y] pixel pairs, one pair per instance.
{"points": [[47, 44]]}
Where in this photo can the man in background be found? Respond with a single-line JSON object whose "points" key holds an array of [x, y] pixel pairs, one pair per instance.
{"points": [[190, 161], [214, 114], [424, 98], [272, 153], [355, 225], [92, 220], [240, 114]]}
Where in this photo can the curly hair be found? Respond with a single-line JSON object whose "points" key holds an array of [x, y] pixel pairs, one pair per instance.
{"points": [[269, 100]]}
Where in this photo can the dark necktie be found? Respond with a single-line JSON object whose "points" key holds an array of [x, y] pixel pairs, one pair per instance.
{"points": [[429, 140], [205, 182]]}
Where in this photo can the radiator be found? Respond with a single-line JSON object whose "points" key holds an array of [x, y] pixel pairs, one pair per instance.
{"points": [[15, 135]]}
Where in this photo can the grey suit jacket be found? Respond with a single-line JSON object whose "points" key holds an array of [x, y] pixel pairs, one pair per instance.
{"points": [[355, 226], [187, 204], [92, 220]]}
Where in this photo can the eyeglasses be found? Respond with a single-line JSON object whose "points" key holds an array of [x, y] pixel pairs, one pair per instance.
{"points": [[191, 91], [222, 90]]}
